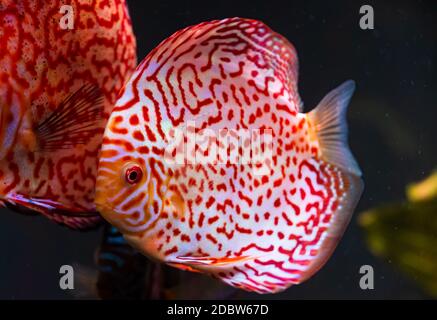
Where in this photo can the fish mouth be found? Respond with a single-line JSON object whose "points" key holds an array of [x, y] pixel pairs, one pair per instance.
{"points": [[101, 201], [105, 188], [125, 222], [103, 208], [106, 211], [111, 215]]}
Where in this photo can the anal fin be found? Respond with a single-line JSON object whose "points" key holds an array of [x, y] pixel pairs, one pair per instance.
{"points": [[353, 188], [210, 261]]}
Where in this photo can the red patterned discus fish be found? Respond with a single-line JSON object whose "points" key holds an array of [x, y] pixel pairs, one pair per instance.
{"points": [[57, 86], [257, 231]]}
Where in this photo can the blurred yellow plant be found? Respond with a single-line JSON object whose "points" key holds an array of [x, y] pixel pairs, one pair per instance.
{"points": [[406, 233]]}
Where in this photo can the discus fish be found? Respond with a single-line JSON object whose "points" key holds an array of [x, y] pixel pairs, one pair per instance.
{"points": [[57, 87], [259, 231]]}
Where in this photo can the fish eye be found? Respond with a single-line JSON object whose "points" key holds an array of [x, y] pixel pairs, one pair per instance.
{"points": [[133, 174]]}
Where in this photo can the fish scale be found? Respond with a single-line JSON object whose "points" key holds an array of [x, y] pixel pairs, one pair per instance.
{"points": [[258, 232]]}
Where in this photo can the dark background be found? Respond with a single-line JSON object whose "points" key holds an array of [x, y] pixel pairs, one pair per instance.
{"points": [[392, 130]]}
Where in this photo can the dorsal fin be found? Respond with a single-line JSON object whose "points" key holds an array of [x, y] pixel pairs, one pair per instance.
{"points": [[220, 50], [279, 52], [75, 121]]}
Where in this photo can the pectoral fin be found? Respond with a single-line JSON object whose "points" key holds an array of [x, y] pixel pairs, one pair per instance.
{"points": [[76, 120], [329, 121]]}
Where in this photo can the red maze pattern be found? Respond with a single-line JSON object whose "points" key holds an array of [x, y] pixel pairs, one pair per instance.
{"points": [[40, 65], [259, 233]]}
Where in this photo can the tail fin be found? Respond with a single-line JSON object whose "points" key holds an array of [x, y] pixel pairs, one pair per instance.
{"points": [[329, 120]]}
